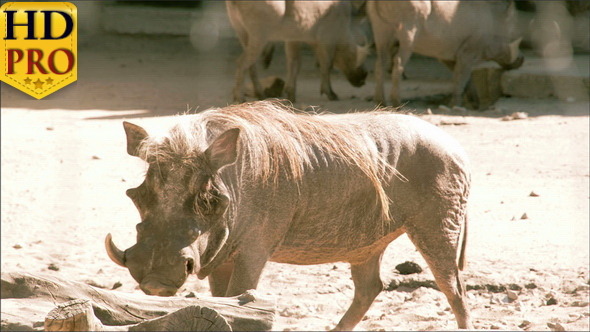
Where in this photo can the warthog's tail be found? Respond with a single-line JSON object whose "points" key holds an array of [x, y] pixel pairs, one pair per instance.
{"points": [[462, 261]]}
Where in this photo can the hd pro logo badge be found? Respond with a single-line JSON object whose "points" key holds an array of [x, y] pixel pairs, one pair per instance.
{"points": [[39, 46]]}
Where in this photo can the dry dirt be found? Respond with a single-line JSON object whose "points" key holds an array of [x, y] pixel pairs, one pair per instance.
{"points": [[65, 172]]}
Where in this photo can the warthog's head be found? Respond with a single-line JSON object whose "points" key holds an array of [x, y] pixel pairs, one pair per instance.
{"points": [[503, 45], [182, 203], [350, 57], [506, 54]]}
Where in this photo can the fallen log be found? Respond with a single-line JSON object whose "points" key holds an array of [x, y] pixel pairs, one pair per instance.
{"points": [[116, 310]]}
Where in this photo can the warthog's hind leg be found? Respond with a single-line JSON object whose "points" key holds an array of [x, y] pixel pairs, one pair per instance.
{"points": [[440, 252]]}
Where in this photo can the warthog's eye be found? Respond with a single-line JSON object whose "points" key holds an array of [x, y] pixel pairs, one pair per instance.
{"points": [[210, 201]]}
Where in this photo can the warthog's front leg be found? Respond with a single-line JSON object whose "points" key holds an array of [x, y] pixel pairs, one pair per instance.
{"points": [[367, 285], [219, 278]]}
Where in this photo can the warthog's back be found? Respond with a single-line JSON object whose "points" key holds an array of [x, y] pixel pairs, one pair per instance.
{"points": [[338, 209]]}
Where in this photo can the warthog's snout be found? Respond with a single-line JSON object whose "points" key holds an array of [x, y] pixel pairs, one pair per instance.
{"points": [[516, 64], [153, 287], [358, 77]]}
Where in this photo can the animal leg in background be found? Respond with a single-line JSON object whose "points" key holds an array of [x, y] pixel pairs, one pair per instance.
{"points": [[293, 66], [367, 285], [466, 58], [400, 59], [325, 55], [383, 45], [247, 61]]}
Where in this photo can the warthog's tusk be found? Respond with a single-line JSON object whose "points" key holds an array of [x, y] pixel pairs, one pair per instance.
{"points": [[114, 253]]}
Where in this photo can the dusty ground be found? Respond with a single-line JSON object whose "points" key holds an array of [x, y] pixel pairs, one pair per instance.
{"points": [[65, 171]]}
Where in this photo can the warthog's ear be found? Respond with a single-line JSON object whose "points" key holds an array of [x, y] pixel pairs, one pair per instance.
{"points": [[135, 134], [224, 149]]}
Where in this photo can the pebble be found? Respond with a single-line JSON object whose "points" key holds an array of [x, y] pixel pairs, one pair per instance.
{"points": [[533, 194], [117, 285], [551, 301], [459, 109], [579, 304], [53, 267], [95, 157], [524, 216], [525, 324], [555, 326], [17, 246], [428, 111], [512, 295]]}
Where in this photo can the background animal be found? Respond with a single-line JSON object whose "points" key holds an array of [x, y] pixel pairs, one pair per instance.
{"points": [[459, 33], [326, 25], [229, 189]]}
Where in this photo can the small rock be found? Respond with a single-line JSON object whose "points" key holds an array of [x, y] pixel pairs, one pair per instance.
{"points": [[117, 285], [191, 294], [531, 285], [533, 194], [17, 246], [428, 111], [579, 304], [555, 326], [444, 108], [551, 301], [516, 116], [582, 288], [519, 115], [247, 297], [525, 325], [459, 109], [94, 284], [95, 157], [440, 313], [408, 268], [524, 216], [494, 327], [49, 128], [512, 295], [53, 267]]}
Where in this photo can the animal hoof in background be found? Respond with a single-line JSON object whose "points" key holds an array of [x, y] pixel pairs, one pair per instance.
{"points": [[273, 87], [331, 95]]}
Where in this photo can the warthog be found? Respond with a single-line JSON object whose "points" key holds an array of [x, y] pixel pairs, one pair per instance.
{"points": [[459, 33], [326, 25], [229, 189]]}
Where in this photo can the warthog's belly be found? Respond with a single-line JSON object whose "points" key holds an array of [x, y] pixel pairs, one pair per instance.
{"points": [[318, 253]]}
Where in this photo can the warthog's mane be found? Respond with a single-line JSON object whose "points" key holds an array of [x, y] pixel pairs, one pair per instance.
{"points": [[275, 140]]}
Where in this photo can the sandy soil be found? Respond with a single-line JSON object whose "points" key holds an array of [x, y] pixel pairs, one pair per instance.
{"points": [[65, 172]]}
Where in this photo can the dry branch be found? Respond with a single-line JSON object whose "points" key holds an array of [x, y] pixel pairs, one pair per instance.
{"points": [[114, 308]]}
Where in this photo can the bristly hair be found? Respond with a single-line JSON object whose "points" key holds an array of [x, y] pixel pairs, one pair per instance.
{"points": [[277, 141]]}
